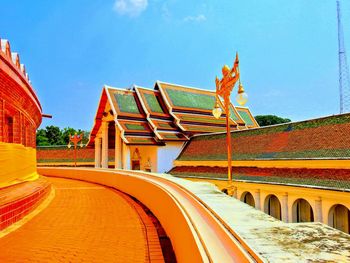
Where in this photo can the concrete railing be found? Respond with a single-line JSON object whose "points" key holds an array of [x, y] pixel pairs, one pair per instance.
{"points": [[197, 235]]}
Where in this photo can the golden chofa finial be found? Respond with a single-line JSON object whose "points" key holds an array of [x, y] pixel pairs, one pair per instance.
{"points": [[225, 70]]}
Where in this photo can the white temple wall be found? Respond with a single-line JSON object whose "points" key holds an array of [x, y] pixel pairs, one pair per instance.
{"points": [[167, 154]]}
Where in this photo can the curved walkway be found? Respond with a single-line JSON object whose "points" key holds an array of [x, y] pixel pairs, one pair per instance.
{"points": [[84, 223]]}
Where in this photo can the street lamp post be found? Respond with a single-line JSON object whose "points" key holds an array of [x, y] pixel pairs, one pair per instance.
{"points": [[75, 139], [224, 87]]}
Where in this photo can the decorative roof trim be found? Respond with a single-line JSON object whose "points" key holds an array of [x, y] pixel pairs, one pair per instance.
{"points": [[98, 119], [12, 60], [182, 86], [106, 87]]}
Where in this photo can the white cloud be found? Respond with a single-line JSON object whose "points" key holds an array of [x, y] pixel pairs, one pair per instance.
{"points": [[198, 18], [131, 8]]}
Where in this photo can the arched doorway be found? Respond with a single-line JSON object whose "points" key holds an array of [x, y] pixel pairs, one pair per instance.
{"points": [[272, 206], [248, 199], [136, 160], [302, 211], [339, 218]]}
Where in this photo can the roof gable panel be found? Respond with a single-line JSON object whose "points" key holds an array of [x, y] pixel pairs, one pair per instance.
{"points": [[126, 103], [183, 98], [191, 100], [153, 103], [235, 116], [247, 117]]}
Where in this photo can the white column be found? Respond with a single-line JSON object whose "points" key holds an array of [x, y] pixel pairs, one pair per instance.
{"points": [[97, 152], [318, 211], [104, 144], [118, 149], [126, 163], [284, 207], [257, 199]]}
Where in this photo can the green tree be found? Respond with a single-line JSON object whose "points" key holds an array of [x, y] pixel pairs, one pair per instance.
{"points": [[266, 120], [66, 132], [41, 139], [54, 135]]}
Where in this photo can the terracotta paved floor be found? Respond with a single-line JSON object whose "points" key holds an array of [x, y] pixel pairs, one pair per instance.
{"points": [[83, 223]]}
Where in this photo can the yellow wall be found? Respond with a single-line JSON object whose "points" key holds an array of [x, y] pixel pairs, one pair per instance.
{"points": [[17, 164]]}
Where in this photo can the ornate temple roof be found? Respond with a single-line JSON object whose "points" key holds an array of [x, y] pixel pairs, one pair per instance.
{"points": [[169, 112]]}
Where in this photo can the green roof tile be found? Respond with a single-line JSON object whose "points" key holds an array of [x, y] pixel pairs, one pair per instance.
{"points": [[153, 103], [135, 127], [233, 115], [205, 119], [246, 117], [170, 136], [164, 125], [188, 99], [126, 103]]}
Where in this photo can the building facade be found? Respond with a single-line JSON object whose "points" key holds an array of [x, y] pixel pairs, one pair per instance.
{"points": [[295, 172], [148, 128]]}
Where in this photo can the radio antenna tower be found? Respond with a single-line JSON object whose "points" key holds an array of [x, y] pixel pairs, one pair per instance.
{"points": [[344, 85]]}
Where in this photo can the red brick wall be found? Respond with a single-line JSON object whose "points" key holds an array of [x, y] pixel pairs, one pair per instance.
{"points": [[55, 154], [18, 103]]}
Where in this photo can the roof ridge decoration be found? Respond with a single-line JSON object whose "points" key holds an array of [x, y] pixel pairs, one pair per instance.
{"points": [[23, 69], [182, 86], [5, 47], [12, 59]]}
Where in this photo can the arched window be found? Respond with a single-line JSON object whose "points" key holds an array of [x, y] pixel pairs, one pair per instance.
{"points": [[339, 218], [8, 129], [272, 206], [248, 199], [302, 211]]}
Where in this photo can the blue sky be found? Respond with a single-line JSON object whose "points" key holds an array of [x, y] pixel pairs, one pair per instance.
{"points": [[71, 48]]}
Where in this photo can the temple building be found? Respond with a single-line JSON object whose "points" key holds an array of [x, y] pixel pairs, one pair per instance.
{"points": [[295, 172], [148, 128]]}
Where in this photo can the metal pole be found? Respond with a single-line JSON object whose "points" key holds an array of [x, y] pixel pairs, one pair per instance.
{"points": [[228, 138], [75, 155]]}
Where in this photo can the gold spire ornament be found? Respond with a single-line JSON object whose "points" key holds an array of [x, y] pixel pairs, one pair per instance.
{"points": [[224, 86]]}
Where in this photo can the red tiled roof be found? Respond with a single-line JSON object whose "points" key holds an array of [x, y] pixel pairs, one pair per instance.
{"points": [[320, 138]]}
